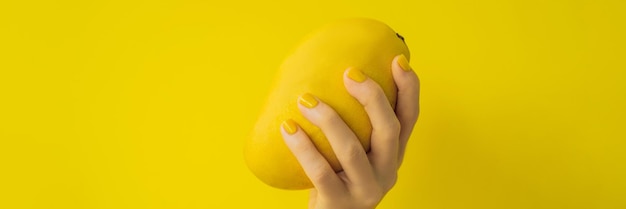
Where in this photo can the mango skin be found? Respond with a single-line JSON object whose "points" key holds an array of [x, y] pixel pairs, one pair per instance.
{"points": [[316, 66]]}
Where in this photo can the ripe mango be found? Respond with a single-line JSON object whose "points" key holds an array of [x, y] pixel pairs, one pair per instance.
{"points": [[316, 66]]}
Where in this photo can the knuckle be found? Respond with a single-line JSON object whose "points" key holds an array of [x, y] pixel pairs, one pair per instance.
{"points": [[327, 116], [391, 182], [353, 152], [372, 198], [320, 173], [299, 147], [395, 126], [392, 128], [374, 93]]}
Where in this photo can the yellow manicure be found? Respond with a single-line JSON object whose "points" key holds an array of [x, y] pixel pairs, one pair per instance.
{"points": [[356, 75], [404, 63], [308, 100], [290, 126]]}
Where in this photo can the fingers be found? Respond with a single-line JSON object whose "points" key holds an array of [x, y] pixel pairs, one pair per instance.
{"points": [[385, 125], [407, 104], [314, 164], [345, 144]]}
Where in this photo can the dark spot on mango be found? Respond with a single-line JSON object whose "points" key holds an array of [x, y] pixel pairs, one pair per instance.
{"points": [[401, 37]]}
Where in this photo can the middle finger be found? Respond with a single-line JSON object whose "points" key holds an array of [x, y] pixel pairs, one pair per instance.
{"points": [[343, 141]]}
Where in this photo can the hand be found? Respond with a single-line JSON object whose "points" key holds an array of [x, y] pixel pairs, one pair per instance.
{"points": [[366, 177]]}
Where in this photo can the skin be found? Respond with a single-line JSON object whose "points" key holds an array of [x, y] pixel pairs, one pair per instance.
{"points": [[366, 176]]}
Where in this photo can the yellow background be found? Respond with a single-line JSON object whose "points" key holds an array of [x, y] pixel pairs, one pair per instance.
{"points": [[147, 104]]}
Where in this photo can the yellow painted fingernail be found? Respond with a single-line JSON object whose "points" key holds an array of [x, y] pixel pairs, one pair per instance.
{"points": [[404, 63], [308, 100], [356, 75], [290, 126]]}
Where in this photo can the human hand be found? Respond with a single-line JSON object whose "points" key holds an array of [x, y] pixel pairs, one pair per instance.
{"points": [[366, 177]]}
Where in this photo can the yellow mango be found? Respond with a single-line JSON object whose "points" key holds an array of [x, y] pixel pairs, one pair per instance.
{"points": [[316, 66]]}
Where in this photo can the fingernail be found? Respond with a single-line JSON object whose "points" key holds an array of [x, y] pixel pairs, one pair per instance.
{"points": [[308, 100], [356, 75], [290, 126], [404, 63]]}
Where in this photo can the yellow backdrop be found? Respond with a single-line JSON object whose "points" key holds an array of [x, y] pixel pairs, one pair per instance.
{"points": [[147, 104]]}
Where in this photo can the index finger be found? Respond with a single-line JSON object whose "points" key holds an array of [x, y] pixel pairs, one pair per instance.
{"points": [[407, 104]]}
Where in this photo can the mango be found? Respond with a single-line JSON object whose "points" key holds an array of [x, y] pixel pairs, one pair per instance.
{"points": [[316, 66]]}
